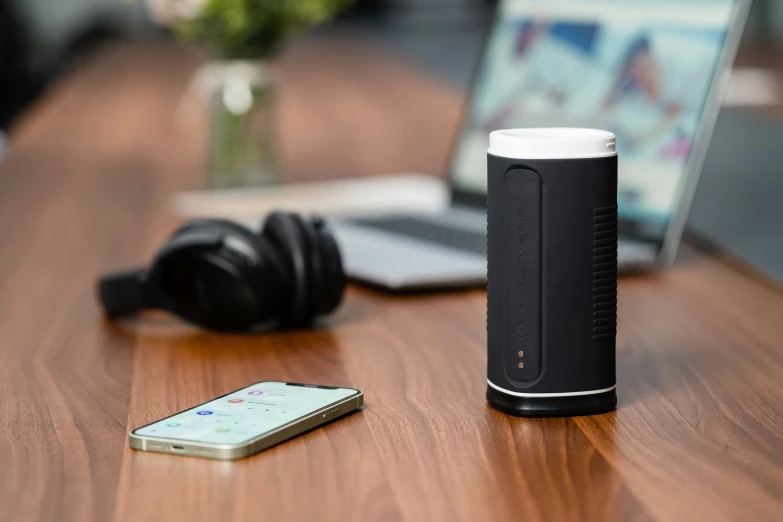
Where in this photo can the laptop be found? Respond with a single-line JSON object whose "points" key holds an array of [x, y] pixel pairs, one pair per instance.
{"points": [[650, 71]]}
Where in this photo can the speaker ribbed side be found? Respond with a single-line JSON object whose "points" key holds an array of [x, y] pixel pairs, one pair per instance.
{"points": [[605, 273]]}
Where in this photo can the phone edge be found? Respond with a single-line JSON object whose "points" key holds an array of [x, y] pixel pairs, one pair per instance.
{"points": [[265, 441]]}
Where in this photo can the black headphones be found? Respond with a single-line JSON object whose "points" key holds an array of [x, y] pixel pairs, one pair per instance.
{"points": [[222, 276]]}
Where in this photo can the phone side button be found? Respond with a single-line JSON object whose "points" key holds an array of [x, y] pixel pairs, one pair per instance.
{"points": [[331, 413]]}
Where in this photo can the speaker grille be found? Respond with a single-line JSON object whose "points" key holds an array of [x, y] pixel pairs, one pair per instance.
{"points": [[605, 273]]}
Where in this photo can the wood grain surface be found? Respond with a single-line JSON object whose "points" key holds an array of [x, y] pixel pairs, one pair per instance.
{"points": [[84, 189]]}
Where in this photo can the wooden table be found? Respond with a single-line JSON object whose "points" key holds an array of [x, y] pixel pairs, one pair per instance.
{"points": [[84, 189]]}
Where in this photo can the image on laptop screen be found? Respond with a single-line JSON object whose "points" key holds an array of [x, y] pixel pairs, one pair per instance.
{"points": [[642, 69]]}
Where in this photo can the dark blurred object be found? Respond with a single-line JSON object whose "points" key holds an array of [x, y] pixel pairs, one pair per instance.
{"points": [[41, 38], [766, 22], [738, 203], [403, 5], [17, 87], [444, 36], [424, 15]]}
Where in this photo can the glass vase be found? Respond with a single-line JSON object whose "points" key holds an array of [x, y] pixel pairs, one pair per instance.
{"points": [[242, 134]]}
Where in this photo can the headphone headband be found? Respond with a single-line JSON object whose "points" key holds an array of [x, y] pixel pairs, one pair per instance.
{"points": [[123, 293]]}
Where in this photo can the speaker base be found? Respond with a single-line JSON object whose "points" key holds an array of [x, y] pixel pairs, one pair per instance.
{"points": [[569, 406]]}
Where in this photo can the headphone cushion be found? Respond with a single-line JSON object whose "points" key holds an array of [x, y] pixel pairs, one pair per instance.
{"points": [[287, 233], [332, 274], [271, 286]]}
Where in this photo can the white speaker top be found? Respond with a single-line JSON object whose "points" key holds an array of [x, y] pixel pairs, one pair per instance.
{"points": [[563, 143]]}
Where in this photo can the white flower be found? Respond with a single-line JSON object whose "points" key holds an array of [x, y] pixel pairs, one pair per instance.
{"points": [[170, 12]]}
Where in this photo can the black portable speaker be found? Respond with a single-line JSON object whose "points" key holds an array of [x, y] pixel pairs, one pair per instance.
{"points": [[552, 271]]}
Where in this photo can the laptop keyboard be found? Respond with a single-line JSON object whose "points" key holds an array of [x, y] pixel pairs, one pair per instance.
{"points": [[437, 233], [630, 254]]}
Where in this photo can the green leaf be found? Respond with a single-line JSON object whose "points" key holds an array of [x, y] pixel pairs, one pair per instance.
{"points": [[237, 29]]}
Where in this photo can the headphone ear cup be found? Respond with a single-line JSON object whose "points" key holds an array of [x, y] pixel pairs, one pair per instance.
{"points": [[256, 241], [331, 267], [287, 234], [267, 278]]}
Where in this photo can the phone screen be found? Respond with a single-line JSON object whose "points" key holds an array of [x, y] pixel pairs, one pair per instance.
{"points": [[245, 414]]}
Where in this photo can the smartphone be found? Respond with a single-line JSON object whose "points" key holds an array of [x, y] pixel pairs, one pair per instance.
{"points": [[246, 421]]}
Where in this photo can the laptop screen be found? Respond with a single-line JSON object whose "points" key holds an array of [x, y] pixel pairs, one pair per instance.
{"points": [[642, 69]]}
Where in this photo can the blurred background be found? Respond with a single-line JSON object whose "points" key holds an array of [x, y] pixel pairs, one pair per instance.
{"points": [[42, 40]]}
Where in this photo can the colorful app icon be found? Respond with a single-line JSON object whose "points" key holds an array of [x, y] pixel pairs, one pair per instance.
{"points": [[204, 412], [223, 430], [173, 424], [236, 401], [255, 392]]}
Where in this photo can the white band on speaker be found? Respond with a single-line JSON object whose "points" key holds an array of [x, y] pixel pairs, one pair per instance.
{"points": [[566, 394], [552, 143]]}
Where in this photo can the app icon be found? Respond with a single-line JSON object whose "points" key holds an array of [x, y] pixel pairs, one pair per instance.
{"points": [[223, 430], [204, 412], [236, 401], [173, 424], [255, 392]]}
